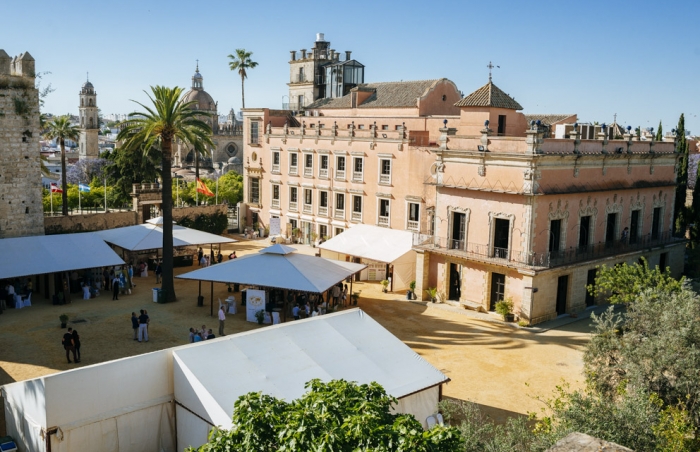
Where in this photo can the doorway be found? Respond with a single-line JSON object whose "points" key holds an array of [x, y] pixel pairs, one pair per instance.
{"points": [[455, 290], [562, 290], [459, 221], [500, 238], [498, 289], [590, 281]]}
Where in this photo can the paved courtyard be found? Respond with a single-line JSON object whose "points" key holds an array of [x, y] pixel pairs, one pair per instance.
{"points": [[488, 362]]}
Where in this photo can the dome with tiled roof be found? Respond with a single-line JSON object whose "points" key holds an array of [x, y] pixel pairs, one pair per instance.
{"points": [[202, 99], [489, 95]]}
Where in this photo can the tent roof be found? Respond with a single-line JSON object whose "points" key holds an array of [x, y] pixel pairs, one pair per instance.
{"points": [[41, 254], [371, 242], [150, 237], [276, 266], [278, 360]]}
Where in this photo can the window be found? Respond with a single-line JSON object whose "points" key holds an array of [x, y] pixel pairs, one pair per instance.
{"points": [[323, 231], [308, 196], [554, 235], [340, 167], [293, 199], [323, 167], [254, 197], [361, 127], [663, 258], [300, 99], [385, 171], [384, 209], [339, 201], [254, 132], [293, 163], [323, 199], [610, 229], [459, 231], [584, 231], [308, 165], [276, 192], [385, 127], [413, 216], [656, 223], [301, 74], [339, 231], [357, 169], [293, 223], [356, 208], [275, 162], [397, 127], [501, 125], [634, 227]]}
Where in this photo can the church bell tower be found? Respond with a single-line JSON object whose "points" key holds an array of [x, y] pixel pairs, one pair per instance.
{"points": [[89, 123]]}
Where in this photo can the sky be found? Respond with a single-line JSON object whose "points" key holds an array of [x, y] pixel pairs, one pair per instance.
{"points": [[637, 59]]}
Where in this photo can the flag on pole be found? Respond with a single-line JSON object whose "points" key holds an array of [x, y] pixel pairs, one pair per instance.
{"points": [[84, 188], [201, 188], [55, 188]]}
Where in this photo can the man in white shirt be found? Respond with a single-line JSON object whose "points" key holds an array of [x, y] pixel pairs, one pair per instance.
{"points": [[222, 319]]}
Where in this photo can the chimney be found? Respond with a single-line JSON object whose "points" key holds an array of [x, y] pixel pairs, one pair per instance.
{"points": [[331, 54], [319, 37], [294, 54], [303, 54], [347, 55]]}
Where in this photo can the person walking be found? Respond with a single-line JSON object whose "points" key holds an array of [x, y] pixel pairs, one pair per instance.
{"points": [[159, 271], [76, 344], [222, 319], [200, 255], [135, 325], [143, 326], [115, 287], [68, 345]]}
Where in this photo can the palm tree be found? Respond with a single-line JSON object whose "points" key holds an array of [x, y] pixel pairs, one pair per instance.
{"points": [[167, 120], [61, 129], [240, 62]]}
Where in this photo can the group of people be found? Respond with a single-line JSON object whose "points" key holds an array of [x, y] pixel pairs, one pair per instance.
{"points": [[314, 304], [140, 325], [201, 334], [10, 288], [205, 260], [71, 344]]}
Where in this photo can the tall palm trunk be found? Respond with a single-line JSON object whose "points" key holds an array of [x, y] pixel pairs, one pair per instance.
{"points": [[167, 207], [196, 176], [242, 91], [64, 178]]}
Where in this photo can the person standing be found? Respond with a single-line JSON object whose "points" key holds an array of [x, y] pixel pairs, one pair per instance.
{"points": [[135, 325], [295, 312], [222, 319], [210, 334], [68, 345], [159, 271], [219, 257], [107, 279], [115, 287], [200, 255], [143, 326], [76, 344], [336, 294], [192, 335]]}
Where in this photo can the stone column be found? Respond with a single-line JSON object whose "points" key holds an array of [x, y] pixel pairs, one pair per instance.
{"points": [[422, 273]]}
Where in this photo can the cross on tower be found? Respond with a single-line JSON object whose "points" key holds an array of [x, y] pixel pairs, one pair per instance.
{"points": [[88, 76], [491, 66], [197, 65]]}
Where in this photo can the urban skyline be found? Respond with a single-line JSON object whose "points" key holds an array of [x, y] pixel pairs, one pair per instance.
{"points": [[629, 59]]}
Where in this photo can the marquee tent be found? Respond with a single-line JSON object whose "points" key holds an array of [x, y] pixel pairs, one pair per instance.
{"points": [[280, 359], [143, 237], [167, 400], [40, 254], [279, 266], [378, 245]]}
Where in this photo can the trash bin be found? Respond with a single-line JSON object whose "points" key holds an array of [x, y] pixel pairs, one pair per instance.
{"points": [[200, 300], [155, 294], [7, 444], [161, 296]]}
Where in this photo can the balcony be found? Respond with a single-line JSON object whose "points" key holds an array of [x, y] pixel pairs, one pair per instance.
{"points": [[485, 253], [308, 172], [340, 175], [383, 221], [309, 209], [323, 173], [357, 176], [275, 203], [293, 171], [339, 214], [323, 211], [292, 206], [412, 225], [357, 217], [276, 169], [385, 179]]}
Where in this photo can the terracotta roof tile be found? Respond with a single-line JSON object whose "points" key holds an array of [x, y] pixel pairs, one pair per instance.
{"points": [[547, 119], [386, 95], [489, 95]]}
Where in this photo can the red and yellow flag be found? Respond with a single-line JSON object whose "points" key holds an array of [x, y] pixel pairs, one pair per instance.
{"points": [[201, 188]]}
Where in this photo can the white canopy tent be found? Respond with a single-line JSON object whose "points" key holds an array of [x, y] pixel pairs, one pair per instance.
{"points": [[381, 245], [279, 266], [40, 254], [169, 399], [279, 360]]}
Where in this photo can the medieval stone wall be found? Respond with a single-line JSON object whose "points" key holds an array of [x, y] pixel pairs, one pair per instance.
{"points": [[21, 210]]}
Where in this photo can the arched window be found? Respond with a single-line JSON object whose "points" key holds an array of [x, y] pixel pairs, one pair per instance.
{"points": [[91, 102], [90, 122], [82, 102]]}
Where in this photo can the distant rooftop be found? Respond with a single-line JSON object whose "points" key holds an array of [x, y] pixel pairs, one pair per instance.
{"points": [[386, 95], [489, 95]]}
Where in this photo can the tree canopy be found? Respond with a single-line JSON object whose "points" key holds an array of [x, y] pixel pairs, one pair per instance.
{"points": [[335, 416], [240, 62], [61, 129]]}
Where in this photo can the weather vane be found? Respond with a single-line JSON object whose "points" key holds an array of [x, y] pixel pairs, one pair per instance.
{"points": [[491, 66]]}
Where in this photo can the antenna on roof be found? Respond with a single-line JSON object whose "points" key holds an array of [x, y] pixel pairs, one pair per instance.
{"points": [[491, 66]]}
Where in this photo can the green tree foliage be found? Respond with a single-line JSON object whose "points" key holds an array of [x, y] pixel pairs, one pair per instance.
{"points": [[680, 213], [215, 223], [659, 133], [230, 190], [623, 283], [166, 119], [241, 62], [129, 166], [60, 129], [336, 416]]}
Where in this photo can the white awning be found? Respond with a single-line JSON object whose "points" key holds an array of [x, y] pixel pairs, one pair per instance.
{"points": [[371, 242], [281, 267], [36, 255], [143, 237]]}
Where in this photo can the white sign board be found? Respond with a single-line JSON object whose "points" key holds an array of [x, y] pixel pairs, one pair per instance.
{"points": [[275, 228], [255, 301]]}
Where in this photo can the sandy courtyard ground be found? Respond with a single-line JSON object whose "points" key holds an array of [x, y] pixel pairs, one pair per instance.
{"points": [[488, 363]]}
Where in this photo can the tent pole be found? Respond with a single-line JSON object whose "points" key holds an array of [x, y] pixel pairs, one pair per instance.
{"points": [[284, 305], [350, 294], [200, 291], [211, 309]]}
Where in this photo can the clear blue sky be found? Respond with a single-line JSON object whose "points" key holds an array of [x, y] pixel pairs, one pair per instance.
{"points": [[639, 59]]}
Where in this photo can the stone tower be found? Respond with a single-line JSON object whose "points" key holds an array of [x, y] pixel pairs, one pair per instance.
{"points": [[21, 209], [89, 123]]}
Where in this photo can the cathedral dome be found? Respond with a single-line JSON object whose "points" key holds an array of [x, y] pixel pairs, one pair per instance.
{"points": [[235, 160], [87, 88], [202, 98]]}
